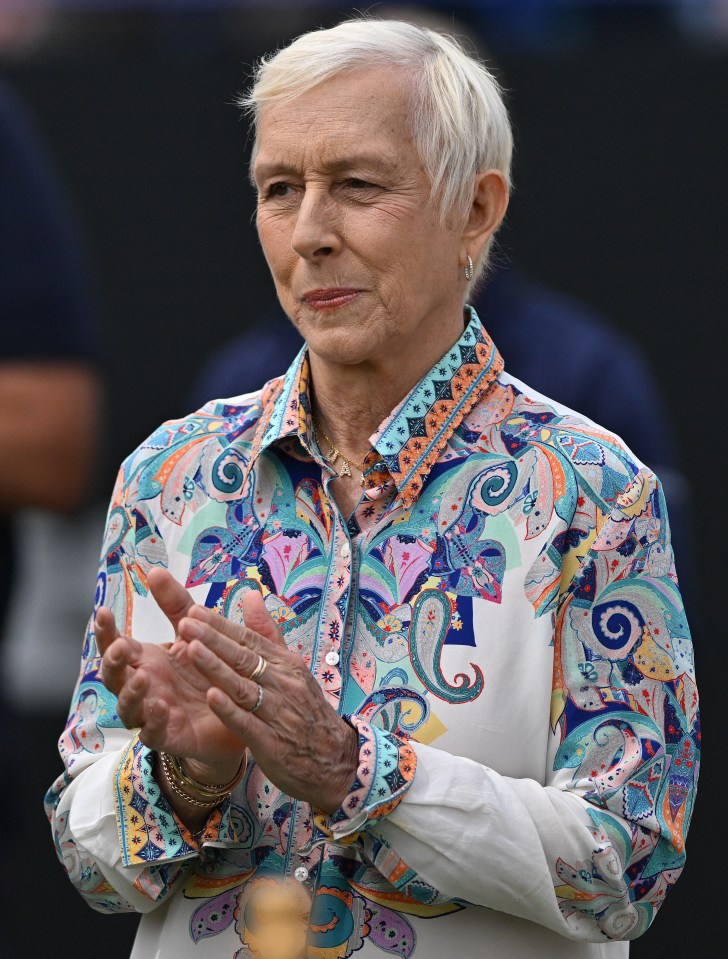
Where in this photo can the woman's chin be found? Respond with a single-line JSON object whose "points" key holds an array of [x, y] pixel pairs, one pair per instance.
{"points": [[350, 354], [346, 345]]}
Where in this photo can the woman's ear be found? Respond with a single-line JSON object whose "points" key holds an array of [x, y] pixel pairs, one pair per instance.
{"points": [[490, 202]]}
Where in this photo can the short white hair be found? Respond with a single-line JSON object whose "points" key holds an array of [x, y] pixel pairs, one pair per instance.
{"points": [[460, 124]]}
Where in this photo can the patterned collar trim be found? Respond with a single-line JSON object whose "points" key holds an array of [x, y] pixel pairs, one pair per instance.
{"points": [[286, 408], [411, 439]]}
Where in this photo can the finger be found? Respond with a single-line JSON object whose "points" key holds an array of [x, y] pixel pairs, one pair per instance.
{"points": [[241, 659], [105, 631], [219, 673], [119, 660], [172, 598], [131, 705], [252, 638], [220, 634], [260, 620], [247, 726], [153, 731]]}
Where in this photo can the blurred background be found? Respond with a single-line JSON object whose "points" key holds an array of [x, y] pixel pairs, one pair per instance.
{"points": [[128, 258]]}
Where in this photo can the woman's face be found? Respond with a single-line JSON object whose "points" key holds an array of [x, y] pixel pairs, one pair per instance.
{"points": [[361, 263]]}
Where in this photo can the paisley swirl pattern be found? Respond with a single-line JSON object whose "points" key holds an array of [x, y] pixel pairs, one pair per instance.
{"points": [[430, 623], [490, 493], [616, 628], [227, 471], [395, 707]]}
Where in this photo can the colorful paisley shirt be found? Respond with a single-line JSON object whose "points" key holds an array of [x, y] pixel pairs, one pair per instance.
{"points": [[499, 618]]}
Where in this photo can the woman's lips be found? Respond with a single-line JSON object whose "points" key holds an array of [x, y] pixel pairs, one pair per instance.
{"points": [[331, 297]]}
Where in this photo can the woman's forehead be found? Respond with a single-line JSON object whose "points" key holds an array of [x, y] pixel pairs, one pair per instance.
{"points": [[336, 125], [357, 98]]}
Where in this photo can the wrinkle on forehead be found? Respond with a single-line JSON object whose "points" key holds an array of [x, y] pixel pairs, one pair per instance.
{"points": [[333, 156], [359, 113]]}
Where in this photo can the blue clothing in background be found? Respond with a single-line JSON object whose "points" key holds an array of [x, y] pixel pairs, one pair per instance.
{"points": [[47, 306]]}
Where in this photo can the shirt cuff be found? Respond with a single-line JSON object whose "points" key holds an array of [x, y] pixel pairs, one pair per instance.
{"points": [[385, 771], [149, 830]]}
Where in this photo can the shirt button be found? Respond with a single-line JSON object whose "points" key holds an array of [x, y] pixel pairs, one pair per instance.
{"points": [[332, 657], [301, 874], [345, 551]]}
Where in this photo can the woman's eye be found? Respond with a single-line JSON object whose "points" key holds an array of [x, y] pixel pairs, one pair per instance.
{"points": [[278, 189], [359, 184]]}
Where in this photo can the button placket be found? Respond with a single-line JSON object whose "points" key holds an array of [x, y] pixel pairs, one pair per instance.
{"points": [[332, 657]]}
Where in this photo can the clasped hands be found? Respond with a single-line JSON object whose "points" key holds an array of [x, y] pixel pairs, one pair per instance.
{"points": [[193, 698]]}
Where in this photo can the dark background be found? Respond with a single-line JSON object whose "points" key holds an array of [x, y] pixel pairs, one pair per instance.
{"points": [[620, 200]]}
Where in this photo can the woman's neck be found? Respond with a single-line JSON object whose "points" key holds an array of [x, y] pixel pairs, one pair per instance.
{"points": [[349, 408], [350, 401]]}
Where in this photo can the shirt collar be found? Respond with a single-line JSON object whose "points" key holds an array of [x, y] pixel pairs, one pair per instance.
{"points": [[412, 437], [286, 409]]}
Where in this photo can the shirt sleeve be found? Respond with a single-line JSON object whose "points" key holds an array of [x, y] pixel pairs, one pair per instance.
{"points": [[118, 838], [592, 850], [384, 773]]}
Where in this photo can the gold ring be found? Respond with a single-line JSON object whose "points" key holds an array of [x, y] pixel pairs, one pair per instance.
{"points": [[259, 669]]}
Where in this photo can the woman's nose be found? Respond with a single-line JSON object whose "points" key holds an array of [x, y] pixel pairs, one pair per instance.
{"points": [[315, 233]]}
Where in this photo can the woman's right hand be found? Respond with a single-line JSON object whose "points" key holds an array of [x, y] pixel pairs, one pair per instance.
{"points": [[161, 693]]}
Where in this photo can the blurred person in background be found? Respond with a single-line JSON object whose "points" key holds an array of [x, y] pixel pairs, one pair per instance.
{"points": [[50, 399], [25, 25], [390, 654], [49, 380]]}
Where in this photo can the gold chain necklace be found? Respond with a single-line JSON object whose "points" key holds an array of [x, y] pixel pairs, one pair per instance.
{"points": [[334, 454]]}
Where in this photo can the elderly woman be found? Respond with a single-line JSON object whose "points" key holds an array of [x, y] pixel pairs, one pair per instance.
{"points": [[389, 656]]}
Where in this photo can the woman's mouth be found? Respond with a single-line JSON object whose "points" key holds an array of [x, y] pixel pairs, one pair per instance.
{"points": [[330, 298]]}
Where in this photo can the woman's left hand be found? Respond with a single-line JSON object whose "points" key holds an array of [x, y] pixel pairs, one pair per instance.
{"points": [[298, 740]]}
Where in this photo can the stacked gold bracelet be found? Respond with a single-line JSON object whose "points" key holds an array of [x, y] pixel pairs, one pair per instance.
{"points": [[204, 795]]}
